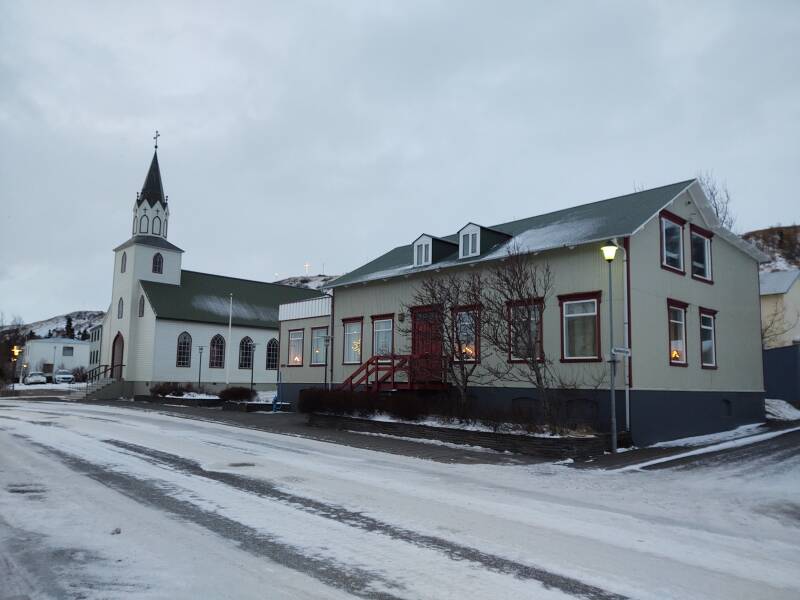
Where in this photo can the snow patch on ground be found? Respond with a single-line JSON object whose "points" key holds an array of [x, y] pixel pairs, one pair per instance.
{"points": [[780, 410], [736, 443], [713, 438], [194, 396], [469, 447], [49, 386], [507, 428]]}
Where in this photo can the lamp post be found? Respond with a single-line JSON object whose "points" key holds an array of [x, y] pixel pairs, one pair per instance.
{"points": [[609, 250], [200, 369], [252, 363]]}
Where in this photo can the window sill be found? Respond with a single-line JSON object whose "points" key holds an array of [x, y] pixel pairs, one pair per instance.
{"points": [[318, 365], [582, 360], [351, 363], [703, 279], [709, 367], [292, 366], [673, 269], [677, 364]]}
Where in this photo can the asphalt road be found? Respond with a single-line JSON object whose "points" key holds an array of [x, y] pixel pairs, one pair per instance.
{"points": [[109, 502]]}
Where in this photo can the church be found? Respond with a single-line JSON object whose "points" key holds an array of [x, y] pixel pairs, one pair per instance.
{"points": [[166, 324]]}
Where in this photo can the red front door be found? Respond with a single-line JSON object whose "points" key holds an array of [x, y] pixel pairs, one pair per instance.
{"points": [[426, 345], [117, 352]]}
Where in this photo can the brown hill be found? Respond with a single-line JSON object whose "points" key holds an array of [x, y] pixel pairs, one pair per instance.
{"points": [[782, 243]]}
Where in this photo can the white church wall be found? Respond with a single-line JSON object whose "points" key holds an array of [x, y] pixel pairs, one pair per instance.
{"points": [[143, 264], [142, 338], [166, 340]]}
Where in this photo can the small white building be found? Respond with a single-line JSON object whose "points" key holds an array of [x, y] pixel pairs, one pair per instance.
{"points": [[166, 324], [780, 308], [49, 354]]}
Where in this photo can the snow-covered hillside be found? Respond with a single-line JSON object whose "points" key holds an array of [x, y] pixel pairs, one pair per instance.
{"points": [[81, 319], [312, 282], [781, 243]]}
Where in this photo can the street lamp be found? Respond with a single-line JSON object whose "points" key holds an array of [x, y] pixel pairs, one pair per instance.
{"points": [[609, 251], [200, 369], [252, 363]]}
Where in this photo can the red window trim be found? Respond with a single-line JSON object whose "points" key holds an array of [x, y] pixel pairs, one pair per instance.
{"points": [[538, 302], [311, 346], [596, 295], [289, 346], [383, 317], [709, 235], [681, 305], [360, 321], [475, 308], [680, 221], [709, 312]]}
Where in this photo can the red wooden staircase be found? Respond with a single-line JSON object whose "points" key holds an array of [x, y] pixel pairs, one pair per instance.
{"points": [[395, 372]]}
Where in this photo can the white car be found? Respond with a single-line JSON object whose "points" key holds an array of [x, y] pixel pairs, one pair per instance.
{"points": [[34, 377], [63, 376]]}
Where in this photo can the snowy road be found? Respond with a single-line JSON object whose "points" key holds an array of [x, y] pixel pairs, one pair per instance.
{"points": [[99, 502]]}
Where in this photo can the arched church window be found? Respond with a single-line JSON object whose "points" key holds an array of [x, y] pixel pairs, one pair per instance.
{"points": [[272, 355], [133, 231], [216, 352], [143, 223], [141, 305], [246, 353], [183, 357], [119, 308], [165, 227], [158, 263], [156, 229], [124, 262]]}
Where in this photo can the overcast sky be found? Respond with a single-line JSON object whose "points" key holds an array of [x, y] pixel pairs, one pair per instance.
{"points": [[331, 132]]}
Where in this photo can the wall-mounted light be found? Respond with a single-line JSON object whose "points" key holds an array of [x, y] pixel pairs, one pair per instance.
{"points": [[609, 251]]}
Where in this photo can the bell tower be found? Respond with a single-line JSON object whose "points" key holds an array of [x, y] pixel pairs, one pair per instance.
{"points": [[151, 210]]}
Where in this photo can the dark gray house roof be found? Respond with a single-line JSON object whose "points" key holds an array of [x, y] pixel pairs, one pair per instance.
{"points": [[204, 298], [598, 221], [148, 240]]}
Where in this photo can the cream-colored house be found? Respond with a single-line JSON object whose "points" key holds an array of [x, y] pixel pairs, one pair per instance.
{"points": [[685, 302], [780, 308]]}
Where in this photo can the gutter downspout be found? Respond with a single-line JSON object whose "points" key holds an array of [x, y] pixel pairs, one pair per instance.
{"points": [[625, 336], [330, 346]]}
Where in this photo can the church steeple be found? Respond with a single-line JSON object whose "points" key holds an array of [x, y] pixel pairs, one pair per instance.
{"points": [[150, 211], [153, 190]]}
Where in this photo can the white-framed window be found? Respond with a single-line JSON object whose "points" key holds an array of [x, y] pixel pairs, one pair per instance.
{"points": [[382, 330], [466, 323], [67, 351], [422, 252], [141, 305], [183, 353], [144, 223], [246, 348], [672, 242], [469, 241], [352, 342], [120, 307], [216, 353], [676, 317], [124, 262], [156, 228], [701, 254], [296, 348], [708, 338], [580, 323], [318, 347], [273, 349], [158, 263]]}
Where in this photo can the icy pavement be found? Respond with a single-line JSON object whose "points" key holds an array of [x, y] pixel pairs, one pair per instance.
{"points": [[100, 501]]}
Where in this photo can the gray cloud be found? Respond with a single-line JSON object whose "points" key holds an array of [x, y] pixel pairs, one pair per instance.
{"points": [[330, 132]]}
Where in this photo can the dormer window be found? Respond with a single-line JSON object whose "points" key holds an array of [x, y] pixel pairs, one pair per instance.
{"points": [[469, 241], [422, 252]]}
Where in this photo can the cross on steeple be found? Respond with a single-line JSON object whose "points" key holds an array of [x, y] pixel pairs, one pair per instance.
{"points": [[155, 137]]}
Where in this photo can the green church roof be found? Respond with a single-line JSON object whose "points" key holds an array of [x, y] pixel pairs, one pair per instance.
{"points": [[204, 298]]}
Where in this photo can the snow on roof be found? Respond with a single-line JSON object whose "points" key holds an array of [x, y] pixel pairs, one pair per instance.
{"points": [[57, 340], [777, 282]]}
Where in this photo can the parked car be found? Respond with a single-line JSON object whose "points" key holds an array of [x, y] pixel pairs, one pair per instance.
{"points": [[63, 376], [34, 377]]}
